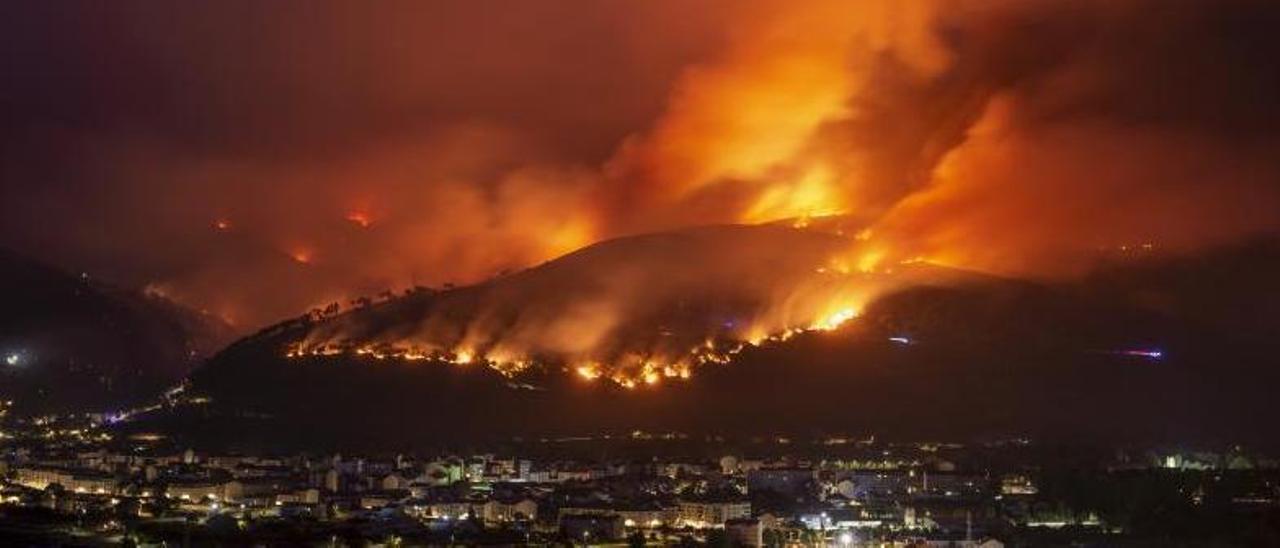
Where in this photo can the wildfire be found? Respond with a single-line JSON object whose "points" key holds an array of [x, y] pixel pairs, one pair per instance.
{"points": [[360, 218], [301, 256], [570, 236], [869, 261], [592, 339], [222, 225], [812, 195], [836, 319], [629, 372]]}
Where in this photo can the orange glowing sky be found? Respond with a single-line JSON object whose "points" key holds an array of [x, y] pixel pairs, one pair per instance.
{"points": [[211, 150]]}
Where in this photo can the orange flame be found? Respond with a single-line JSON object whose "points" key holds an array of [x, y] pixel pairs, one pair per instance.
{"points": [[360, 218]]}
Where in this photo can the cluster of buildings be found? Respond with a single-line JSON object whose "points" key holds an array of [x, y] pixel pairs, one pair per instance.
{"points": [[862, 494], [753, 502]]}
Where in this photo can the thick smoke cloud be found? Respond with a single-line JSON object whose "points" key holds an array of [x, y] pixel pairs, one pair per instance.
{"points": [[461, 133], [1107, 125], [470, 139]]}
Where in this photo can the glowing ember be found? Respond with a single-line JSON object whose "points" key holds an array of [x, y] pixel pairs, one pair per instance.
{"points": [[359, 218], [588, 372]]}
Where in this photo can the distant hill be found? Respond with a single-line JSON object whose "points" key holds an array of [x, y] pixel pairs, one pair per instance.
{"points": [[1147, 349], [71, 343]]}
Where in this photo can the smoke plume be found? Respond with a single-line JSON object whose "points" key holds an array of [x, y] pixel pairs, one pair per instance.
{"points": [[259, 159]]}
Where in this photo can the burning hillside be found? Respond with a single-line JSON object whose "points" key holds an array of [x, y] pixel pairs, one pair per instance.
{"points": [[975, 355], [633, 310]]}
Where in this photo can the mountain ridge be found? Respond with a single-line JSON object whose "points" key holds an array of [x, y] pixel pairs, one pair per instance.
{"points": [[972, 356], [72, 343]]}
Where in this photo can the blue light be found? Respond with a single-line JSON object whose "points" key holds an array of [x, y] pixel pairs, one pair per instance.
{"points": [[1149, 353]]}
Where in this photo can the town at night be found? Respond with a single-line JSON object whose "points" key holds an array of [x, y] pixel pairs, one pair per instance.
{"points": [[721, 273]]}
